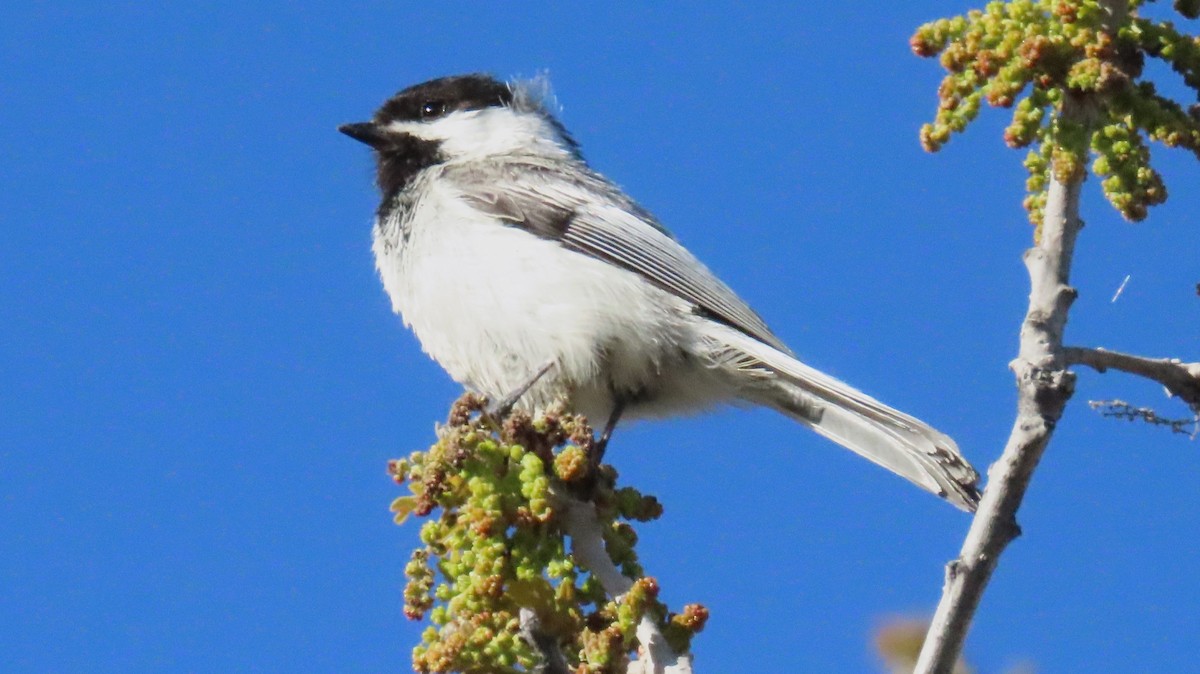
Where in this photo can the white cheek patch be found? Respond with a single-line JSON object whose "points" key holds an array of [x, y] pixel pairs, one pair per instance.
{"points": [[477, 134], [415, 129]]}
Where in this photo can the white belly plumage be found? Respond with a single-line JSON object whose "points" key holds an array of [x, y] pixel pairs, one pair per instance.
{"points": [[508, 305]]}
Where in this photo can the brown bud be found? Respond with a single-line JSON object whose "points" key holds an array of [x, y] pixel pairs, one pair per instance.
{"points": [[921, 47]]}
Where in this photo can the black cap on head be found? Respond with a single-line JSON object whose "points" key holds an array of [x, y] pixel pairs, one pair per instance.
{"points": [[446, 94]]}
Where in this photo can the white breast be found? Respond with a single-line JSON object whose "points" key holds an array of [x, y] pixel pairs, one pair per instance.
{"points": [[493, 303]]}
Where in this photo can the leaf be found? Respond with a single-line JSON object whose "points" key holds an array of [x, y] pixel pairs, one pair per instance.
{"points": [[403, 507]]}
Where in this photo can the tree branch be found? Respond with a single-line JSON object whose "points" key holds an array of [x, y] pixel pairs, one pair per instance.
{"points": [[580, 522], [1119, 409], [553, 661], [1044, 387], [1181, 379]]}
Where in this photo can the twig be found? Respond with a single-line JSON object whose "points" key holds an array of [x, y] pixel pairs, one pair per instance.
{"points": [[1044, 386], [1181, 379], [553, 661], [580, 522], [1119, 409]]}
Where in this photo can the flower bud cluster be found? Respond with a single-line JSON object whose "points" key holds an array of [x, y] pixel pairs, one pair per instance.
{"points": [[1036, 56], [492, 545]]}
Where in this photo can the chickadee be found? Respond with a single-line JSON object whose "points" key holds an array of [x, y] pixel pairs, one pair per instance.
{"points": [[531, 277]]}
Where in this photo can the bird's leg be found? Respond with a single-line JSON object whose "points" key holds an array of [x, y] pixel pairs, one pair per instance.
{"points": [[501, 408], [613, 418]]}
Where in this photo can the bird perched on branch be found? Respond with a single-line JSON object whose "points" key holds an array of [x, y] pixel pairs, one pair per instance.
{"points": [[532, 278]]}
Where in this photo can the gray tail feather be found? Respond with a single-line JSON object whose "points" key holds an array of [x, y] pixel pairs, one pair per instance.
{"points": [[904, 445]]}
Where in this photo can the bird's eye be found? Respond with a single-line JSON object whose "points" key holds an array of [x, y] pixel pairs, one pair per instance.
{"points": [[433, 109]]}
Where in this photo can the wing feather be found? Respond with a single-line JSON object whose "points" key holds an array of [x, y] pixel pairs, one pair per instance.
{"points": [[589, 215]]}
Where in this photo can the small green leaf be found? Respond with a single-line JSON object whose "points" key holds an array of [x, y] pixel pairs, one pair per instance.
{"points": [[403, 507]]}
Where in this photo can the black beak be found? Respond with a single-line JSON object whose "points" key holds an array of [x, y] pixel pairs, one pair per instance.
{"points": [[366, 132]]}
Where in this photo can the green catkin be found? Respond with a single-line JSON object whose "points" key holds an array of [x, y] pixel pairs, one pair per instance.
{"points": [[1034, 56]]}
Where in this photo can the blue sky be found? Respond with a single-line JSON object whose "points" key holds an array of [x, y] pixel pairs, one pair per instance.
{"points": [[202, 380]]}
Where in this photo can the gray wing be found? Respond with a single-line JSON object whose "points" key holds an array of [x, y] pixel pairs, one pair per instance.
{"points": [[589, 215]]}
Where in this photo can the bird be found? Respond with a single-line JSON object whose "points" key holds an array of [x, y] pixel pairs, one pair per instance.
{"points": [[533, 279]]}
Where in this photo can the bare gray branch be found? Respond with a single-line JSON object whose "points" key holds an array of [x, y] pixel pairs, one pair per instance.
{"points": [[580, 522], [1182, 380], [1044, 386]]}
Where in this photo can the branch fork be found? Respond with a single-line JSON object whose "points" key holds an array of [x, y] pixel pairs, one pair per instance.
{"points": [[1044, 386], [580, 522]]}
